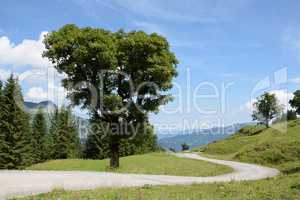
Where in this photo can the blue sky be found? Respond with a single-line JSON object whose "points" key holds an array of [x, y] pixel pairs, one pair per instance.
{"points": [[235, 43]]}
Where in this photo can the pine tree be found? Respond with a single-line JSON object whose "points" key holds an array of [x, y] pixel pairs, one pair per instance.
{"points": [[96, 145], [39, 131], [65, 136], [48, 140], [14, 128], [75, 150], [3, 144], [143, 140]]}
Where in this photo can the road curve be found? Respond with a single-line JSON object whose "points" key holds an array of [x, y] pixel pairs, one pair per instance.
{"points": [[23, 183]]}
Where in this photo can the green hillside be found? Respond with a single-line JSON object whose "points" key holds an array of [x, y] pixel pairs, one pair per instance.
{"points": [[278, 146]]}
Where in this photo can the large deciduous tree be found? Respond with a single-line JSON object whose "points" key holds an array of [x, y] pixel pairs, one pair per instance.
{"points": [[119, 77], [266, 108]]}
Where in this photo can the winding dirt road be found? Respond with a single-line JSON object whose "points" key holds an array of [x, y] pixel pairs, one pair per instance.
{"points": [[23, 183]]}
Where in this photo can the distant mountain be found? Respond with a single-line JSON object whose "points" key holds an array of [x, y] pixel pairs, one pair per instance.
{"points": [[164, 135], [32, 107], [196, 138]]}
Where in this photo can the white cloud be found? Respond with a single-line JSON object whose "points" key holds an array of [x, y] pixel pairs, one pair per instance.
{"points": [[57, 94], [4, 74], [26, 53], [33, 76], [54, 93], [40, 76], [283, 97], [36, 94], [39, 73]]}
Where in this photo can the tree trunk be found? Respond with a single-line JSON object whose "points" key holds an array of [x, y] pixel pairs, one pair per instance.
{"points": [[267, 123], [114, 158]]}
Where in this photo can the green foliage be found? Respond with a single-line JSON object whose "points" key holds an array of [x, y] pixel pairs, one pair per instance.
{"points": [[291, 115], [48, 145], [185, 147], [295, 102], [64, 139], [14, 128], [39, 131], [97, 145], [266, 108], [22, 145], [129, 73], [3, 143], [143, 141]]}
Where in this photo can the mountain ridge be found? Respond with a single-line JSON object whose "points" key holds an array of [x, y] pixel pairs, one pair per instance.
{"points": [[32, 106], [197, 137]]}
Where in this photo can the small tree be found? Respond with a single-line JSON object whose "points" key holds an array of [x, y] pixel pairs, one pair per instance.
{"points": [[185, 147], [295, 102], [266, 108]]}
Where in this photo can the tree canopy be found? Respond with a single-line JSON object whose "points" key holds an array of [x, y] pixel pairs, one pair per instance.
{"points": [[119, 77], [266, 108]]}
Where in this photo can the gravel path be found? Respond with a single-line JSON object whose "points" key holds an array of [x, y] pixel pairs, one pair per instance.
{"points": [[22, 183]]}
